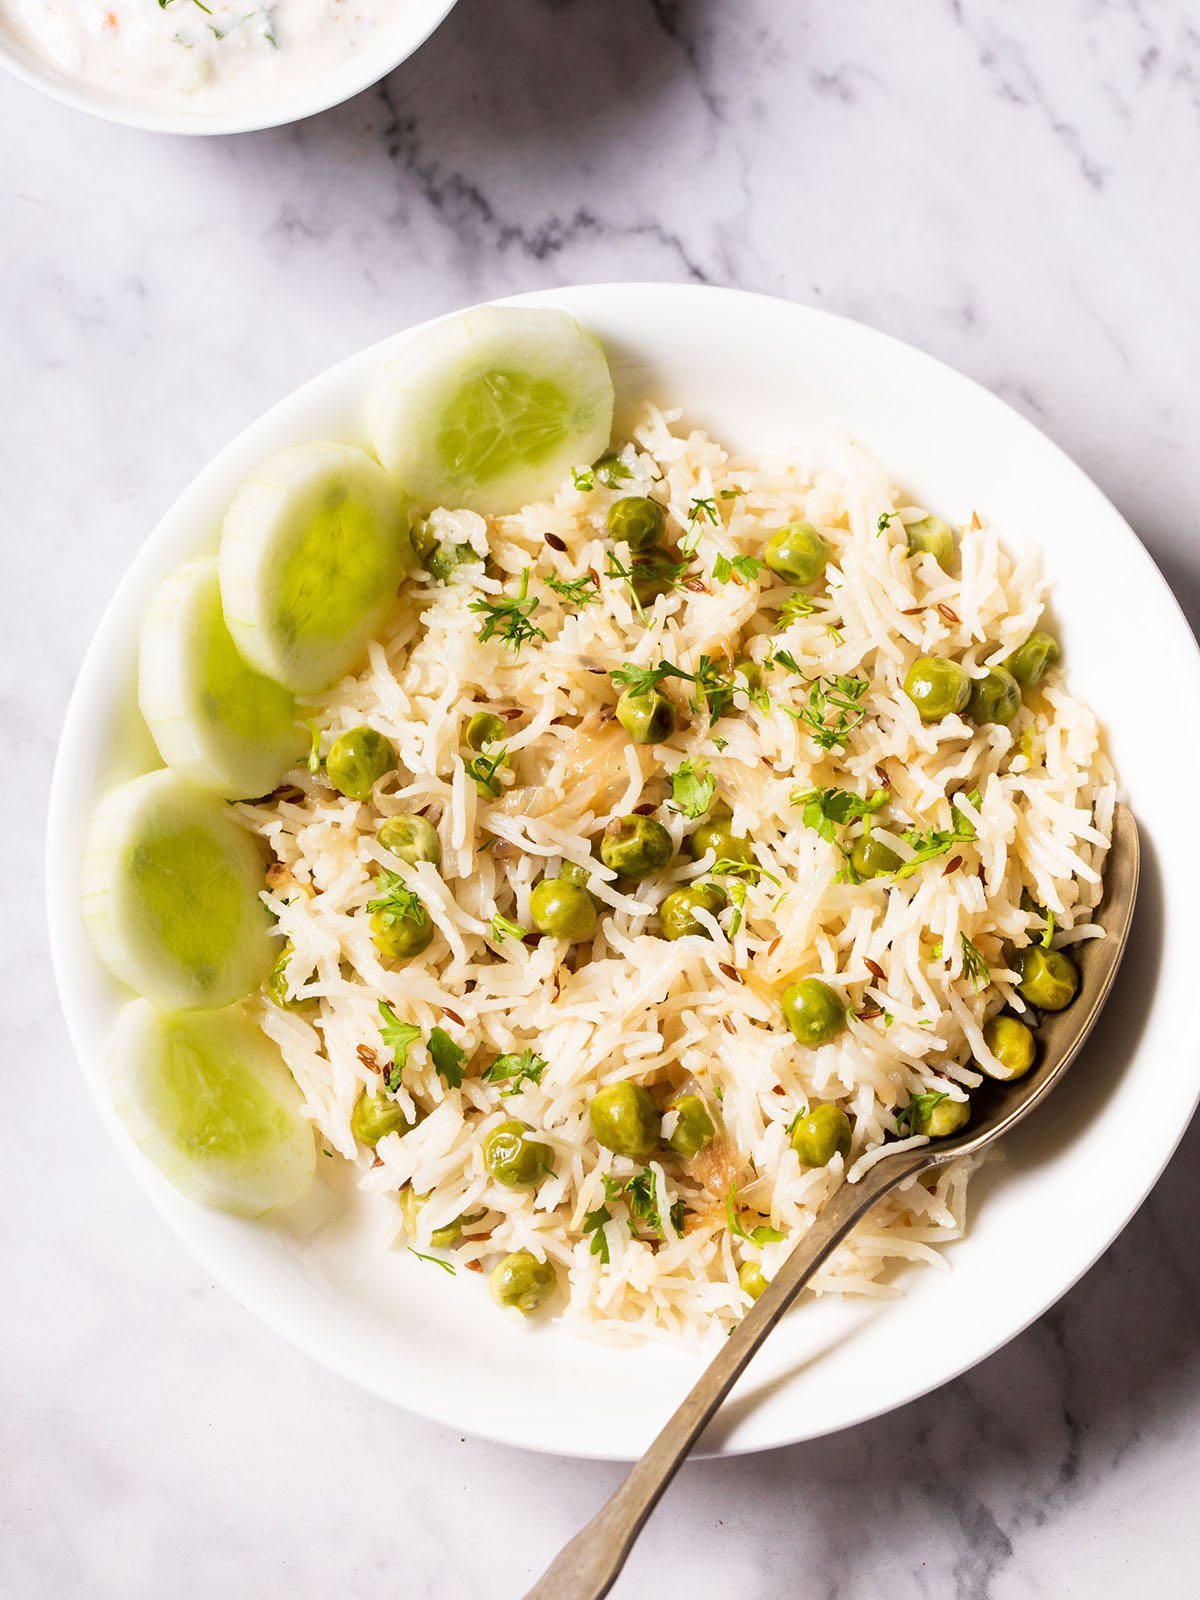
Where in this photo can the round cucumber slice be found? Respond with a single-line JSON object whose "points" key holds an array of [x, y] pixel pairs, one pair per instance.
{"points": [[216, 721], [208, 1099], [171, 895], [492, 409], [313, 547]]}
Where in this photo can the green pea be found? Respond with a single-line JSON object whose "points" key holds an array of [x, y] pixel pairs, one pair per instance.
{"points": [[871, 858], [484, 728], [749, 672], [648, 717], [677, 914], [996, 698], [937, 686], [574, 873], [751, 1280], [611, 470], [401, 938], [1049, 979], [813, 1012], [797, 553], [694, 1130], [943, 1119], [375, 1115], [412, 838], [932, 536], [819, 1134], [523, 1281], [445, 559], [356, 762], [513, 1158], [277, 988], [652, 574], [625, 1120], [635, 846], [1031, 661], [1011, 1042], [441, 1238], [562, 909], [716, 834], [636, 521]]}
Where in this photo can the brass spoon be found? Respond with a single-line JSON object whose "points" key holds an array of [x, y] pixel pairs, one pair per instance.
{"points": [[588, 1567]]}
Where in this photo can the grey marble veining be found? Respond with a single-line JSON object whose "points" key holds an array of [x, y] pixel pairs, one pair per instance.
{"points": [[1011, 187]]}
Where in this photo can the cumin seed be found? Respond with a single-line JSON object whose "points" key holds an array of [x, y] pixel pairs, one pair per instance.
{"points": [[453, 1015], [555, 543], [954, 862], [950, 616], [873, 968]]}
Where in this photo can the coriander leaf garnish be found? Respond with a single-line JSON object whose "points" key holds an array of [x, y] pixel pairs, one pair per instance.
{"points": [[742, 568], [937, 841], [826, 810], [786, 659], [692, 789], [909, 1117], [835, 633], [397, 902], [484, 767], [795, 607], [731, 493], [642, 680], [703, 508], [579, 591], [611, 471], [974, 966], [885, 518], [834, 709], [763, 1235], [446, 1266], [724, 867], [640, 1196], [447, 1057], [593, 1223], [508, 616], [585, 482], [1048, 933], [514, 1070], [503, 927], [397, 1036]]}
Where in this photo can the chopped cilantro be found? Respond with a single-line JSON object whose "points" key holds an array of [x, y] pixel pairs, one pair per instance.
{"points": [[446, 1266], [397, 902], [508, 616], [397, 1036], [937, 841], [763, 1235], [503, 927], [579, 591], [974, 966], [692, 789], [885, 518], [514, 1070], [447, 1057], [826, 810], [611, 471], [744, 568], [484, 768], [834, 709], [910, 1117], [795, 607], [585, 481]]}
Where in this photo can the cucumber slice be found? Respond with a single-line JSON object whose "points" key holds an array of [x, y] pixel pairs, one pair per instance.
{"points": [[492, 409], [171, 895], [207, 1098], [216, 721], [313, 547]]}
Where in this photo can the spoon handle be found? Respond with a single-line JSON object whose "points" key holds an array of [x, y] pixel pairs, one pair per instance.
{"points": [[588, 1567]]}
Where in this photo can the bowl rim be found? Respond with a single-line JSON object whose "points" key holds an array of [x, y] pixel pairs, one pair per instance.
{"points": [[317, 1343], [340, 85]]}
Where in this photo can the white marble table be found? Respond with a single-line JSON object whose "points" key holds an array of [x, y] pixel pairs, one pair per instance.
{"points": [[1012, 187]]}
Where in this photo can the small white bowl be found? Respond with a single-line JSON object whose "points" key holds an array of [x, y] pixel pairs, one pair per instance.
{"points": [[761, 375], [415, 21]]}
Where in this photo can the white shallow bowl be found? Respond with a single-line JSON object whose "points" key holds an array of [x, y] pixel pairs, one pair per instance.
{"points": [[761, 375], [414, 21]]}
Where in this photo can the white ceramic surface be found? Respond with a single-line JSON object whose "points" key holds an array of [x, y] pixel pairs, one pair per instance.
{"points": [[414, 21], [760, 374]]}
